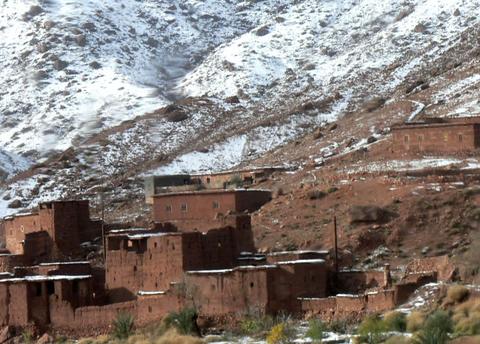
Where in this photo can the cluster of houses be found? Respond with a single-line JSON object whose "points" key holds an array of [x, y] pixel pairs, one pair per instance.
{"points": [[198, 253]]}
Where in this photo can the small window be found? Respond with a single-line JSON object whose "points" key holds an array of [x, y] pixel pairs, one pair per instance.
{"points": [[75, 287], [149, 309], [216, 205], [420, 138], [460, 138], [406, 138], [208, 180], [134, 268], [155, 245], [50, 288], [168, 208], [183, 207], [38, 289], [251, 285]]}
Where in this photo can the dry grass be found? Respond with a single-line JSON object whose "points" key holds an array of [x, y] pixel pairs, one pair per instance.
{"points": [[172, 337], [457, 293], [398, 340], [466, 318], [415, 321]]}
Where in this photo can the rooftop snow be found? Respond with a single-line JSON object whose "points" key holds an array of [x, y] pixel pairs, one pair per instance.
{"points": [[46, 278]]}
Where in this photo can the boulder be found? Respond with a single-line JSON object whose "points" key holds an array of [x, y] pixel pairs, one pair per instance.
{"points": [[6, 333], [45, 339], [232, 100], [317, 134], [263, 31], [369, 214], [15, 204]]}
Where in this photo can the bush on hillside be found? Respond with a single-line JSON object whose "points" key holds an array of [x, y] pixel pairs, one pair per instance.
{"points": [[123, 326], [280, 334], [372, 330], [435, 329], [184, 321], [466, 318], [395, 321], [415, 321], [315, 330], [457, 293]]}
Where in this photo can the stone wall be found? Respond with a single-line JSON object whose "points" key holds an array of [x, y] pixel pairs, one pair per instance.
{"points": [[344, 305], [357, 281], [444, 269]]}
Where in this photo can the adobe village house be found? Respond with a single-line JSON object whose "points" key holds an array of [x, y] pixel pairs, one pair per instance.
{"points": [[199, 253]]}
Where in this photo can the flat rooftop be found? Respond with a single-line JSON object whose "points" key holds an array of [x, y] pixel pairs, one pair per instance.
{"points": [[207, 192]]}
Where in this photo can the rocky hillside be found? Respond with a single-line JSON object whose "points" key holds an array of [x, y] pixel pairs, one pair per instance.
{"points": [[97, 94]]}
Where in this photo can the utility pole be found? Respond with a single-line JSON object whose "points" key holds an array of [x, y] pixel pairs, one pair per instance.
{"points": [[335, 242], [102, 205]]}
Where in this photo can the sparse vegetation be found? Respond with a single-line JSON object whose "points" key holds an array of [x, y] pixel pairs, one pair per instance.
{"points": [[415, 321], [123, 326], [183, 321], [435, 330], [27, 337], [466, 318], [280, 334], [395, 321], [315, 331], [372, 330], [457, 293]]}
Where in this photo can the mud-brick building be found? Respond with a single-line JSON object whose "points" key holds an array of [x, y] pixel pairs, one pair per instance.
{"points": [[41, 299], [153, 261], [268, 289], [440, 136], [204, 210], [247, 177], [56, 228]]}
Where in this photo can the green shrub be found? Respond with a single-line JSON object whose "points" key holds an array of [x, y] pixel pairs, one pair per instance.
{"points": [[435, 329], [395, 321], [315, 330], [339, 326], [250, 326], [415, 321], [183, 321], [123, 326], [372, 330], [27, 337]]}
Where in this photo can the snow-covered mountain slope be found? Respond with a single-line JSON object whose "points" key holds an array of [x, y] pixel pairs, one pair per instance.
{"points": [[70, 68], [355, 47], [11, 164], [294, 66]]}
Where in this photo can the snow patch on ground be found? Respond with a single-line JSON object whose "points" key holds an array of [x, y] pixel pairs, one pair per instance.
{"points": [[222, 156], [413, 165]]}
